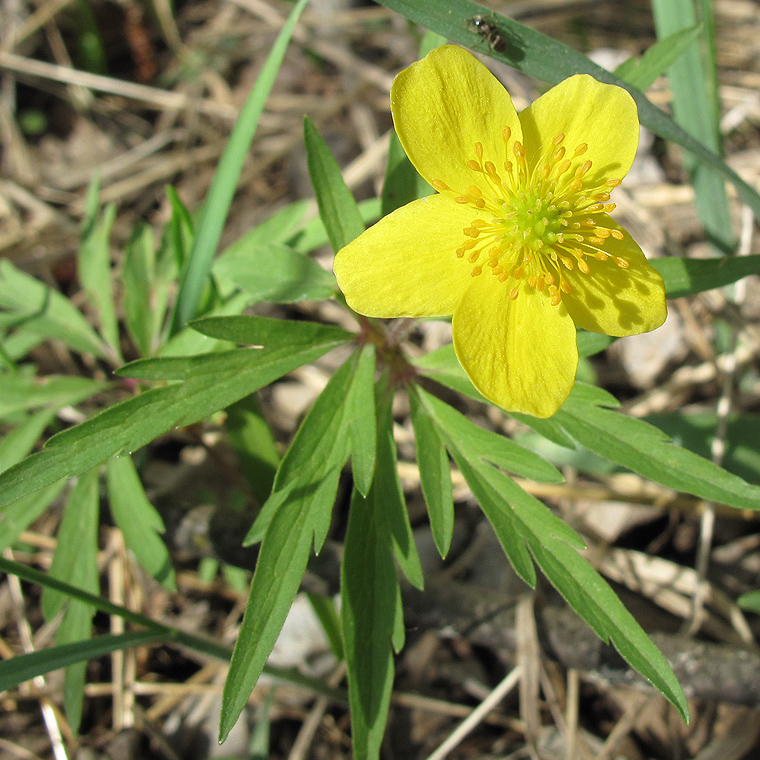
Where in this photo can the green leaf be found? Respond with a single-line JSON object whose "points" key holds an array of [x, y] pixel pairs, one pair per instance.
{"points": [[213, 383], [641, 73], [20, 514], [45, 312], [314, 235], [337, 207], [486, 445], [138, 274], [685, 277], [219, 198], [592, 343], [16, 670], [324, 608], [138, 520], [76, 562], [369, 588], [94, 270], [695, 431], [695, 107], [402, 182], [362, 421], [18, 391], [638, 446], [435, 475], [264, 331], [280, 567], [297, 514], [548, 59], [273, 272], [254, 444], [443, 366], [389, 493], [16, 444]]}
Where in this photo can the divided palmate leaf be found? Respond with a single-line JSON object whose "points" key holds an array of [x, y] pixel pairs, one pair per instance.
{"points": [[645, 449], [295, 517], [370, 593], [138, 520], [523, 524], [212, 382]]}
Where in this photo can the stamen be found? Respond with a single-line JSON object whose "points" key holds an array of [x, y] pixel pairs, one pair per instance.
{"points": [[559, 138], [479, 150], [580, 149], [474, 166], [514, 293], [622, 263], [440, 186]]}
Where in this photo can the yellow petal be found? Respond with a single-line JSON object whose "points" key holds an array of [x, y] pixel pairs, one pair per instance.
{"points": [[613, 300], [601, 116], [406, 264], [519, 354], [444, 104]]}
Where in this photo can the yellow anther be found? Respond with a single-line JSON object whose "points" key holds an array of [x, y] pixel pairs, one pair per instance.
{"points": [[594, 207], [519, 149], [479, 223], [479, 150], [474, 191], [565, 287], [514, 293], [556, 297], [549, 277], [596, 240], [476, 271], [508, 166], [617, 234], [563, 167], [602, 196], [622, 263], [468, 244], [462, 199], [610, 207], [506, 133], [580, 149], [585, 166], [479, 203], [504, 276], [601, 256], [559, 138], [546, 170], [440, 186], [473, 257], [613, 182], [460, 253], [559, 153], [474, 166], [583, 266]]}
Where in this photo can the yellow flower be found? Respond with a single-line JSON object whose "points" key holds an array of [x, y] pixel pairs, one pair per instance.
{"points": [[518, 243]]}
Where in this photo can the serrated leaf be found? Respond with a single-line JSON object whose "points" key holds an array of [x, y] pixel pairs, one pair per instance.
{"points": [[640, 447], [486, 445], [138, 520], [362, 421], [368, 612], [43, 311], [221, 380], [337, 207], [641, 73], [16, 670], [685, 277], [273, 272], [435, 475]]}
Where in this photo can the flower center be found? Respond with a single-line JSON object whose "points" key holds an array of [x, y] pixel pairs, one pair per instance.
{"points": [[535, 223]]}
